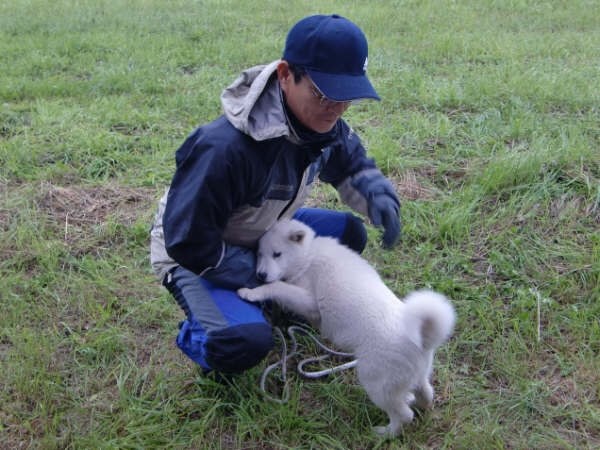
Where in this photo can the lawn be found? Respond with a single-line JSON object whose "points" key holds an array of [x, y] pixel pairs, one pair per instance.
{"points": [[489, 126]]}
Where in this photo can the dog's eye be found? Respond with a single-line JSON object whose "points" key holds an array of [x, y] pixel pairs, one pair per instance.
{"points": [[276, 254]]}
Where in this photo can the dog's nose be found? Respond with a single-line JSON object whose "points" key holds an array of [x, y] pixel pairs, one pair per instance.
{"points": [[262, 276]]}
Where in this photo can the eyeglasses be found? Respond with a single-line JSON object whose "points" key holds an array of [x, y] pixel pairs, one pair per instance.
{"points": [[323, 100]]}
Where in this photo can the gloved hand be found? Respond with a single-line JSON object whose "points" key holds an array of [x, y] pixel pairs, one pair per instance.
{"points": [[384, 210], [382, 204]]}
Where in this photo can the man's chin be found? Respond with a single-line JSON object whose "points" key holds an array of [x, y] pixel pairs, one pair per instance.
{"points": [[324, 126]]}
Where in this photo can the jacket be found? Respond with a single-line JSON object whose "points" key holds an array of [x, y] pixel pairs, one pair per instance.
{"points": [[240, 173]]}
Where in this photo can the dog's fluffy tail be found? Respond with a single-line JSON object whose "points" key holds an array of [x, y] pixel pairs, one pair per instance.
{"points": [[435, 314]]}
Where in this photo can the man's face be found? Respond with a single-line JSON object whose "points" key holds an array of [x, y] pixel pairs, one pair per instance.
{"points": [[307, 103]]}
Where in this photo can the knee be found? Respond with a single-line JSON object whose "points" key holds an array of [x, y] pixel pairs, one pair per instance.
{"points": [[355, 233], [238, 348]]}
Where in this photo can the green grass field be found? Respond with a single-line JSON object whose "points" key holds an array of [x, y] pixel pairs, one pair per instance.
{"points": [[489, 125]]}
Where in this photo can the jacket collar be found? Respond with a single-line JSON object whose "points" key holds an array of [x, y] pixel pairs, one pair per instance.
{"points": [[255, 104]]}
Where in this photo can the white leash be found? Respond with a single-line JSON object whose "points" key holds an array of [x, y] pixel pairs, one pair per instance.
{"points": [[287, 355]]}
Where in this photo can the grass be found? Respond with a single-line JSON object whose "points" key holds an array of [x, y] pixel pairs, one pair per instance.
{"points": [[489, 126]]}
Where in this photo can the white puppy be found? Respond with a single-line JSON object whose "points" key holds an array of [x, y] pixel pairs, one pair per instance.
{"points": [[342, 294]]}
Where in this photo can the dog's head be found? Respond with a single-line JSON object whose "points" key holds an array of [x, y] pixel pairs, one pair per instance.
{"points": [[284, 251]]}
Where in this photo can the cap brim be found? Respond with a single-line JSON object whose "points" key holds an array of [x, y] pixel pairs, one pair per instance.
{"points": [[343, 88]]}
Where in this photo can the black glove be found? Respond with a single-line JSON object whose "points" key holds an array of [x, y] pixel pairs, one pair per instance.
{"points": [[383, 205], [385, 211]]}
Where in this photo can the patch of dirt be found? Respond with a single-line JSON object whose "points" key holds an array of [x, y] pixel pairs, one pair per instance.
{"points": [[77, 209], [410, 187], [82, 206]]}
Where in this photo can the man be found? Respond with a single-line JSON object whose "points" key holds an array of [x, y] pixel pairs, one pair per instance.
{"points": [[281, 129]]}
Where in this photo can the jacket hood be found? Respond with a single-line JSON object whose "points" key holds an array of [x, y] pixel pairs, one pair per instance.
{"points": [[253, 105]]}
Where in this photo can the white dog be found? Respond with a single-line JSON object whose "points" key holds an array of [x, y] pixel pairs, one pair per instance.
{"points": [[342, 294]]}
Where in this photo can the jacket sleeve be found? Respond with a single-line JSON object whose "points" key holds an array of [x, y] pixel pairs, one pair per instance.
{"points": [[362, 186], [236, 269], [204, 191], [354, 175]]}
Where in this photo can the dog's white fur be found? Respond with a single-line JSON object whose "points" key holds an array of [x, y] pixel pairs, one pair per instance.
{"points": [[342, 294]]}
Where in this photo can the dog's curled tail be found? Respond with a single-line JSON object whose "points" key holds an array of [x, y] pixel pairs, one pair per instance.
{"points": [[436, 315]]}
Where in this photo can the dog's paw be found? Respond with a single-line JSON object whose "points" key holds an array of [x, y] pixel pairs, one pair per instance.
{"points": [[384, 432], [424, 397], [251, 295]]}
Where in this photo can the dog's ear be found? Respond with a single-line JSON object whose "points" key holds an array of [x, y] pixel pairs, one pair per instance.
{"points": [[297, 236]]}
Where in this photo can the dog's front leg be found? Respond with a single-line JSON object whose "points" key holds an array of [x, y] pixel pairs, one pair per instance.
{"points": [[289, 296], [257, 294]]}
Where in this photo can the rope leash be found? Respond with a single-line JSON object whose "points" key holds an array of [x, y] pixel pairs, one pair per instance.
{"points": [[286, 355]]}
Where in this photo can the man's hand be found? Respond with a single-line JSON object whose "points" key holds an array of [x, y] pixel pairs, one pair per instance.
{"points": [[372, 194], [384, 210], [383, 205]]}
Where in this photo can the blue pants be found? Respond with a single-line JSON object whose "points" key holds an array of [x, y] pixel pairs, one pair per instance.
{"points": [[225, 333]]}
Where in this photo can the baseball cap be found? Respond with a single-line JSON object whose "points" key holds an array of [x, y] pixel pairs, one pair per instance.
{"points": [[334, 52]]}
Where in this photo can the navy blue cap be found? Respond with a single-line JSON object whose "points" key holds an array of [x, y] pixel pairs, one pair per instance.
{"points": [[334, 52]]}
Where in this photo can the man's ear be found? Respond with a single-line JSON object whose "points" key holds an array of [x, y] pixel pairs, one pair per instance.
{"points": [[284, 74], [297, 236]]}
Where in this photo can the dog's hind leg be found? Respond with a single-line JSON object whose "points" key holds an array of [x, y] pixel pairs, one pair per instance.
{"points": [[424, 391], [394, 401], [424, 395], [399, 413]]}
